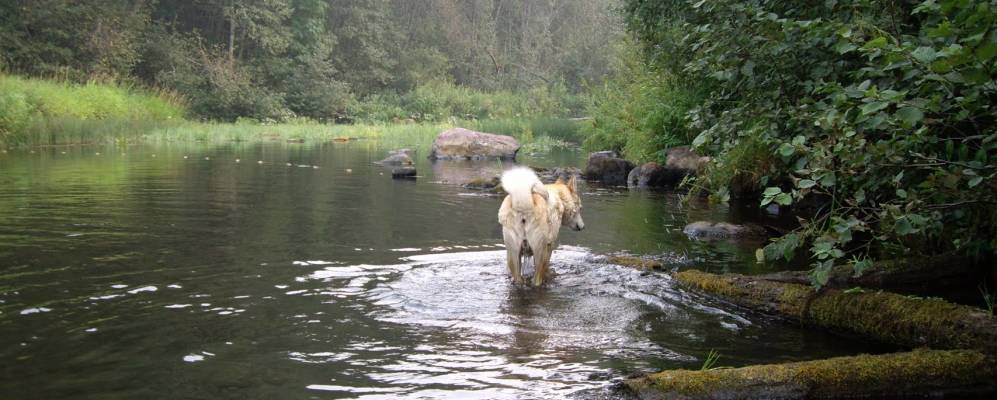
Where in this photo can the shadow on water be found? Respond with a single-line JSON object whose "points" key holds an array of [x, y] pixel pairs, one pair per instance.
{"points": [[306, 271]]}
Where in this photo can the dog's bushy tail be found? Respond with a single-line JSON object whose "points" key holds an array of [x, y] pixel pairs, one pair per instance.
{"points": [[521, 183]]}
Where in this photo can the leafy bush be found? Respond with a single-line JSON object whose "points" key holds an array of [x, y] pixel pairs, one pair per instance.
{"points": [[441, 100], [881, 107], [640, 110]]}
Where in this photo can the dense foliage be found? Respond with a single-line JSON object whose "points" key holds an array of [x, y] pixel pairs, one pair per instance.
{"points": [[323, 59], [879, 112]]}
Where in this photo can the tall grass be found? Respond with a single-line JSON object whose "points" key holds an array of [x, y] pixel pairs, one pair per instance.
{"points": [[416, 135], [43, 112], [303, 130], [38, 112]]}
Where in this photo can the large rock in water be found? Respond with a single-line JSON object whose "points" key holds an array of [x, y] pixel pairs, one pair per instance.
{"points": [[653, 174], [397, 157], [682, 157], [704, 230], [465, 144], [606, 166]]}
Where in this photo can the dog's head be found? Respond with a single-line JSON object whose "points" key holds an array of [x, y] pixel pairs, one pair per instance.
{"points": [[572, 216]]}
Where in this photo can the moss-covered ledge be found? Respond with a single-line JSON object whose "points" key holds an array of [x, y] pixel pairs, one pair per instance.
{"points": [[918, 373], [893, 318]]}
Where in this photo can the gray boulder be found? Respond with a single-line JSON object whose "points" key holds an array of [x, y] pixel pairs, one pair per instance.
{"points": [[465, 144], [653, 174], [398, 157], [682, 157], [606, 166], [722, 230]]}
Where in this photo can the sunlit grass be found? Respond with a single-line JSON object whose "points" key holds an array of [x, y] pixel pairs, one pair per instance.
{"points": [[414, 135], [41, 112]]}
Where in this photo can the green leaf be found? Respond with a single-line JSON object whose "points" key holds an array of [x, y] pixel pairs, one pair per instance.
{"points": [[875, 106], [910, 115], [771, 191], [859, 266], [828, 180], [903, 227], [700, 139], [924, 54], [784, 199], [806, 183], [975, 181], [876, 43], [844, 46], [786, 150]]}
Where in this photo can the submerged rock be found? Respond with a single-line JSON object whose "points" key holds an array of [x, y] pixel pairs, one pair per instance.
{"points": [[550, 175], [465, 144], [723, 230], [483, 183], [398, 157], [403, 173], [606, 166]]}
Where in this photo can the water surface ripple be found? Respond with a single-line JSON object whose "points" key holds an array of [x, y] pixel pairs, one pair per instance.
{"points": [[139, 273]]}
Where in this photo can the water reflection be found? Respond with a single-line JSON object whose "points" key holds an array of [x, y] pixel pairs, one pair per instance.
{"points": [[147, 275]]}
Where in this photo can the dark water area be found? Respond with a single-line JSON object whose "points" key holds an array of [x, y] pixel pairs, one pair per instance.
{"points": [[173, 271]]}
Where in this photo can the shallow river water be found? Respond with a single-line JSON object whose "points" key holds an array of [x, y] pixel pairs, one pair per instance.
{"points": [[173, 271]]}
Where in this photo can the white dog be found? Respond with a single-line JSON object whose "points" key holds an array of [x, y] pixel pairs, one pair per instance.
{"points": [[531, 216]]}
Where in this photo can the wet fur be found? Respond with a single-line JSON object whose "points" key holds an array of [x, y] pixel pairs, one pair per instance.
{"points": [[531, 217]]}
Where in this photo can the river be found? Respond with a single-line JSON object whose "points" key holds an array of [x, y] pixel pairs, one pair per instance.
{"points": [[173, 271]]}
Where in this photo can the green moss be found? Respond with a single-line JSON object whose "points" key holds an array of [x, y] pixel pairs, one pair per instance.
{"points": [[904, 320], [888, 317], [865, 375]]}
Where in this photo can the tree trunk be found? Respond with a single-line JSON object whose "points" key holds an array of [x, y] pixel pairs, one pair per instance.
{"points": [[888, 317], [931, 275], [921, 373]]}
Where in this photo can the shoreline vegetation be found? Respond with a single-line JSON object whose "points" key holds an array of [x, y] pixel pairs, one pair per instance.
{"points": [[38, 112]]}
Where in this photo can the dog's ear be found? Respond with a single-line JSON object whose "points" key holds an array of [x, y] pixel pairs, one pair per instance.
{"points": [[572, 184], [539, 188]]}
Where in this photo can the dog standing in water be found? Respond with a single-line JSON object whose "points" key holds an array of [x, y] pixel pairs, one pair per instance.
{"points": [[531, 216]]}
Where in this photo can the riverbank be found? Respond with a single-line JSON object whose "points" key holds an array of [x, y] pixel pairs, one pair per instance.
{"points": [[37, 112]]}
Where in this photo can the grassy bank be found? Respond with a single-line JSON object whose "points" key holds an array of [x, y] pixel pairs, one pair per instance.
{"points": [[400, 135], [36, 112], [41, 112]]}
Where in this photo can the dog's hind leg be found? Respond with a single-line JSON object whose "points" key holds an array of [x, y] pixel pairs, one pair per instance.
{"points": [[513, 260], [542, 260]]}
